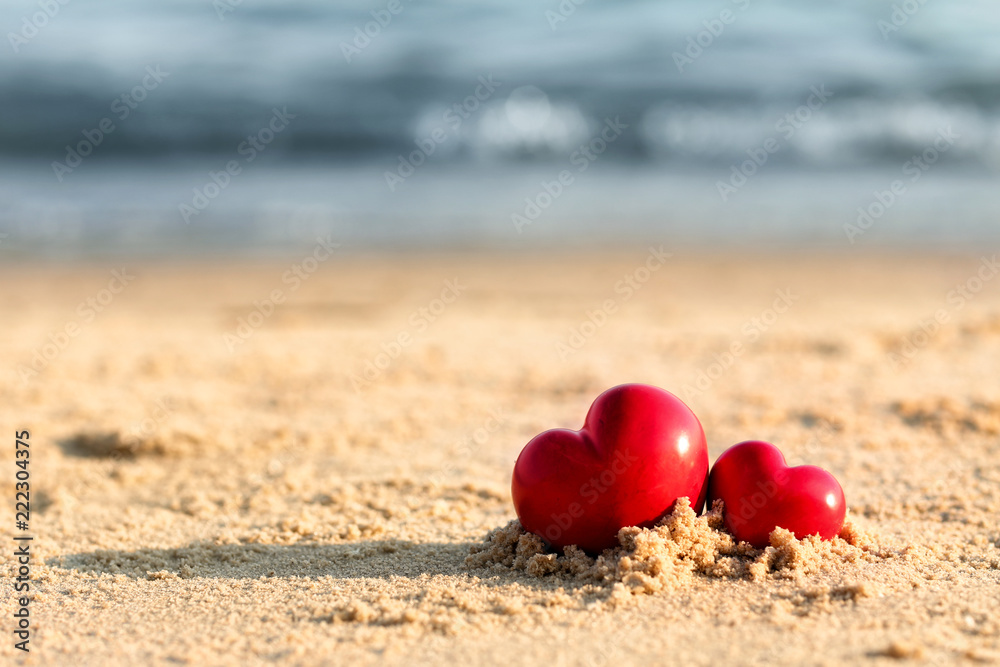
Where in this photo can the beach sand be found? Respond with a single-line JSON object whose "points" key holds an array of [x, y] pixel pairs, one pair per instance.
{"points": [[209, 493]]}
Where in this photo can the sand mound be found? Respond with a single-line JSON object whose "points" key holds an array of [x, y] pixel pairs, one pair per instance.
{"points": [[679, 547]]}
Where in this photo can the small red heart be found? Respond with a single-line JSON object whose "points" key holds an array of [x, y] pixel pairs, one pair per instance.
{"points": [[761, 493], [640, 449]]}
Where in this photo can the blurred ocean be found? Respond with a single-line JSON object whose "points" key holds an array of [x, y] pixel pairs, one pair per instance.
{"points": [[145, 125]]}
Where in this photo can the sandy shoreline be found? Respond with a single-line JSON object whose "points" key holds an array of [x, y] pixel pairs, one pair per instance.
{"points": [[213, 486]]}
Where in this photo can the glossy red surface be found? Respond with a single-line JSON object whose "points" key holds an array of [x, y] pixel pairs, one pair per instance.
{"points": [[639, 450], [761, 492]]}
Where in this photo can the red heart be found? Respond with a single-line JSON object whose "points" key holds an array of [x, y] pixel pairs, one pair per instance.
{"points": [[761, 492], [640, 449]]}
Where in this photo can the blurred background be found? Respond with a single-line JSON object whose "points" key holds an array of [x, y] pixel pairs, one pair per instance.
{"points": [[152, 126]]}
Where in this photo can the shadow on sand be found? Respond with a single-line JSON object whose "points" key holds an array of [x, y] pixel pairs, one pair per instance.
{"points": [[354, 560], [371, 559]]}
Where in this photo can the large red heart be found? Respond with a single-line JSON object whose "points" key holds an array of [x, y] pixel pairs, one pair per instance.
{"points": [[640, 449], [761, 493]]}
